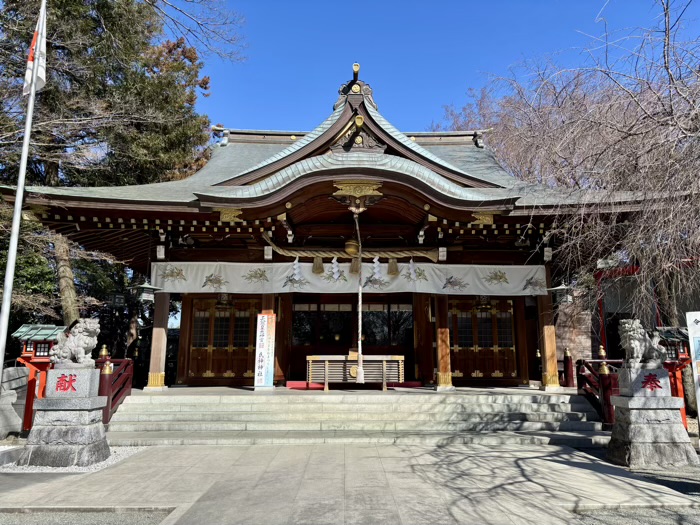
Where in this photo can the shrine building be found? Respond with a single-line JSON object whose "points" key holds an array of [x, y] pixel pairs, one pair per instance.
{"points": [[454, 265]]}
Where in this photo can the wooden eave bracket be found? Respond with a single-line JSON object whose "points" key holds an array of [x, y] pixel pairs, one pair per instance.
{"points": [[285, 224]]}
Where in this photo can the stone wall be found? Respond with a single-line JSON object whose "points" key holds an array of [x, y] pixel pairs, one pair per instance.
{"points": [[15, 378], [574, 331]]}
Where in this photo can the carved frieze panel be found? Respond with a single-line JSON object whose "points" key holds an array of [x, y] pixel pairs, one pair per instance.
{"points": [[358, 140], [229, 214]]}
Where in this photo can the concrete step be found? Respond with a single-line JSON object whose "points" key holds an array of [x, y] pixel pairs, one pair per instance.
{"points": [[581, 439], [374, 426], [308, 398], [143, 416], [408, 416], [464, 406]]}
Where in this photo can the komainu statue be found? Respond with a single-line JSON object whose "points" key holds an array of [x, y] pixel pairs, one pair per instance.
{"points": [[641, 351], [75, 345]]}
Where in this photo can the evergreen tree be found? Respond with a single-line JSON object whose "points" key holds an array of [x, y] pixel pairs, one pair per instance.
{"points": [[118, 108]]}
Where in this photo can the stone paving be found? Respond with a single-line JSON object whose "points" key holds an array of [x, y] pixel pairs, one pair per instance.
{"points": [[350, 484]]}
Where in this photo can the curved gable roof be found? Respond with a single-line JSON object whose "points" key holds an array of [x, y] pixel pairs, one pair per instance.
{"points": [[425, 153], [308, 138], [401, 169]]}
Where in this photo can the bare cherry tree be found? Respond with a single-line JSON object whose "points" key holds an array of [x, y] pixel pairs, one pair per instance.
{"points": [[619, 138]]}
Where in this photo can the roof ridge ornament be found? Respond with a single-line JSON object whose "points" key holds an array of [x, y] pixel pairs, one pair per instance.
{"points": [[355, 91], [358, 138]]}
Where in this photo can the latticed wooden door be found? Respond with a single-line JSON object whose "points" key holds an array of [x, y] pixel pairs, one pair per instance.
{"points": [[223, 338], [482, 339]]}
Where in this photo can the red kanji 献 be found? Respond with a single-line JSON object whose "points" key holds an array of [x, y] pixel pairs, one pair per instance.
{"points": [[651, 381], [66, 383]]}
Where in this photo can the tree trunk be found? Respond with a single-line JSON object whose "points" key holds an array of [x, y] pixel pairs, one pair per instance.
{"points": [[691, 400], [666, 296], [51, 174], [132, 334], [66, 282]]}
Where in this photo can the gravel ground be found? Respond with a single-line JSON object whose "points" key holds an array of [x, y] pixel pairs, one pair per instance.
{"points": [[118, 454]]}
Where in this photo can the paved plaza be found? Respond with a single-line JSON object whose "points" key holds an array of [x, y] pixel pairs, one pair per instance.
{"points": [[350, 484]]}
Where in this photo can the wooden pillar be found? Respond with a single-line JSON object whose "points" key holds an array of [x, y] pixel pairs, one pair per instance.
{"points": [[423, 336], [521, 340], [183, 356], [268, 304], [283, 344], [159, 343], [443, 344], [548, 339]]}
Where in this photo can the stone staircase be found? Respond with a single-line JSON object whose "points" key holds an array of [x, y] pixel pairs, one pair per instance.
{"points": [[494, 416]]}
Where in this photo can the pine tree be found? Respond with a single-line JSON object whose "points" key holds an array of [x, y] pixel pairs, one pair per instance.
{"points": [[118, 108]]}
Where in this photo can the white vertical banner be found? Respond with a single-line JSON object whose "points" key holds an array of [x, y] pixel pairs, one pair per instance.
{"points": [[693, 320], [265, 352]]}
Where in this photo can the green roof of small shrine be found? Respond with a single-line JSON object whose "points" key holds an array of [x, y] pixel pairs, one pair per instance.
{"points": [[38, 332]]}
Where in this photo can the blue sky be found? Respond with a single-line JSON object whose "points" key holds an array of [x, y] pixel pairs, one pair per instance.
{"points": [[417, 56]]}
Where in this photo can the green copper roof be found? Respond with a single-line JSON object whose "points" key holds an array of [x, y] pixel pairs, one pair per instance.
{"points": [[225, 162], [452, 155], [38, 332], [400, 167], [403, 139], [306, 139], [479, 163]]}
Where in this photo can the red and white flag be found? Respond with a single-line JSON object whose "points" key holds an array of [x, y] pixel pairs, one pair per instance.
{"points": [[37, 56]]}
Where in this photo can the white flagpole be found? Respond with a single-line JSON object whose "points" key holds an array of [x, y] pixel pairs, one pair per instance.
{"points": [[19, 197]]}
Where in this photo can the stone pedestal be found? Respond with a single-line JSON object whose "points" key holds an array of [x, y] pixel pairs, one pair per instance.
{"points": [[68, 427], [648, 430]]}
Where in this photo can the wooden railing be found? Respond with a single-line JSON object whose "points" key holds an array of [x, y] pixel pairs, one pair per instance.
{"points": [[116, 386], [598, 384], [566, 370]]}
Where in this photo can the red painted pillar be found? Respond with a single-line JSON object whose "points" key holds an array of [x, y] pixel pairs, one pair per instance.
{"points": [[605, 394], [568, 369]]}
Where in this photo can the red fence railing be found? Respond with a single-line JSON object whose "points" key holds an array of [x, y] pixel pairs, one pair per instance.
{"points": [[566, 370], [116, 386]]}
